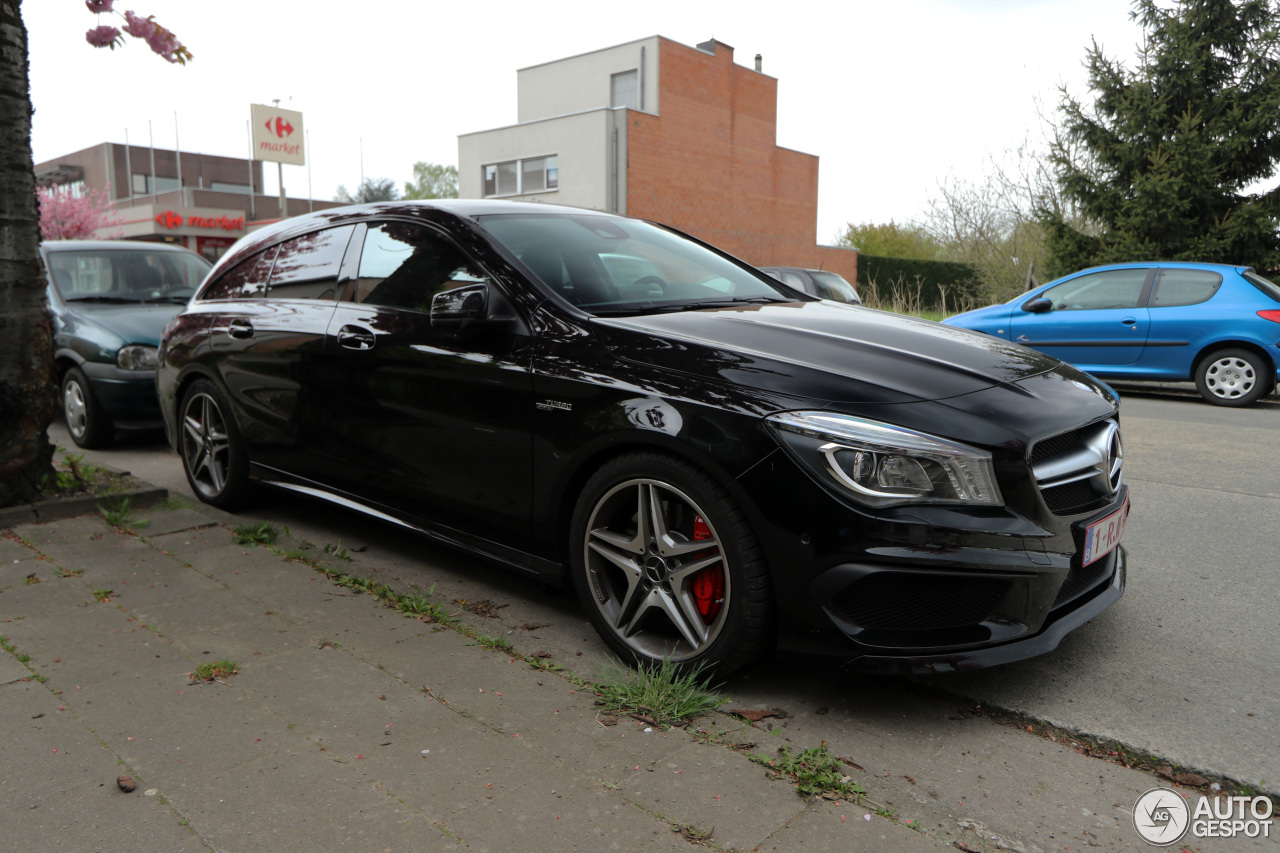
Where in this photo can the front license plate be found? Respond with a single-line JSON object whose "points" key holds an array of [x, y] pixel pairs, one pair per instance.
{"points": [[1101, 537]]}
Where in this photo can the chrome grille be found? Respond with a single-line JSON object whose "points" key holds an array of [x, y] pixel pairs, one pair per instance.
{"points": [[1081, 470]]}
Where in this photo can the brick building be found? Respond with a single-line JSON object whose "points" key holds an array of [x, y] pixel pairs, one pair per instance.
{"points": [[217, 201], [659, 130]]}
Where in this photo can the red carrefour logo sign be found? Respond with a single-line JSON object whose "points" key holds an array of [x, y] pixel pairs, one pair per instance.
{"points": [[282, 128], [171, 219]]}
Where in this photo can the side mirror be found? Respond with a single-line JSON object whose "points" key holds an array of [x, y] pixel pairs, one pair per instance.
{"points": [[1039, 306], [460, 307]]}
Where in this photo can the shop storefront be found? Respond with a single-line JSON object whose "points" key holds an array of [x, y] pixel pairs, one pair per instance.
{"points": [[205, 230]]}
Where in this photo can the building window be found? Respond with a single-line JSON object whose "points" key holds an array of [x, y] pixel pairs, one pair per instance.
{"points": [[223, 187], [516, 177], [624, 89], [142, 184]]}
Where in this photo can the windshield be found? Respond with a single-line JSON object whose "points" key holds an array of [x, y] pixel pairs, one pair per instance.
{"points": [[833, 286], [126, 275], [608, 266]]}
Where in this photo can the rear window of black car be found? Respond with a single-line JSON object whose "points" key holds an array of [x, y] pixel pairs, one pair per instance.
{"points": [[247, 280], [307, 267]]}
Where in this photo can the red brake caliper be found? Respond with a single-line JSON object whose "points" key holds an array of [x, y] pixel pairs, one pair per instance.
{"points": [[708, 584]]}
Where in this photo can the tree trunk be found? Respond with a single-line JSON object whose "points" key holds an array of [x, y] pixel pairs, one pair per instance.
{"points": [[27, 386]]}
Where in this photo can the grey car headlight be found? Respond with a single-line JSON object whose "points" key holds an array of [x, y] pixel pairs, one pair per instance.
{"points": [[882, 465], [137, 357]]}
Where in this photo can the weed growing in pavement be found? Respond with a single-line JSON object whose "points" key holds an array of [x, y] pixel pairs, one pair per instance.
{"points": [[69, 573], [120, 516], [693, 834], [494, 644], [30, 579], [337, 551], [215, 671], [815, 771], [667, 693], [249, 534], [419, 606], [103, 594]]}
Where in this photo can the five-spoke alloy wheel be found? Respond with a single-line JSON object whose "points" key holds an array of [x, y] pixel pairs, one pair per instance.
{"points": [[212, 451], [668, 567]]}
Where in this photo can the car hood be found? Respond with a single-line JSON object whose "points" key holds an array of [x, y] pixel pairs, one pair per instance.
{"points": [[134, 324], [825, 351]]}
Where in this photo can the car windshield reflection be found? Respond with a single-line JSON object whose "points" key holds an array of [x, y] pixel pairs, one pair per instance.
{"points": [[611, 268]]}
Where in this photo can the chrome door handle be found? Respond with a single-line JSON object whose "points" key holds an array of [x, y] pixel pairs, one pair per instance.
{"points": [[354, 337], [240, 329]]}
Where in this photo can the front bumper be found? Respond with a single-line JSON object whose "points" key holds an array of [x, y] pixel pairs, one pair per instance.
{"points": [[925, 589], [127, 396]]}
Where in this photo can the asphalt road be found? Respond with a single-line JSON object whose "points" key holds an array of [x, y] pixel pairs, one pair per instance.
{"points": [[1185, 666]]}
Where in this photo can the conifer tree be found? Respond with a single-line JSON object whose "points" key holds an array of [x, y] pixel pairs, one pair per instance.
{"points": [[1166, 163]]}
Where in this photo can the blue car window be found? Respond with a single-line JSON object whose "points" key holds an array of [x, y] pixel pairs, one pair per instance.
{"points": [[1184, 287], [1106, 289]]}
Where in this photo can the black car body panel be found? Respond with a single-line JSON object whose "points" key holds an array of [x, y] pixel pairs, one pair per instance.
{"points": [[484, 435]]}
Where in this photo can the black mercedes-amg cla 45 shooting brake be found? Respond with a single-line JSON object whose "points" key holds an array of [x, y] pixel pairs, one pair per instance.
{"points": [[720, 466]]}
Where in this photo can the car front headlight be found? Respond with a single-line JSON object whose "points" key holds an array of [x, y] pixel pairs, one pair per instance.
{"points": [[137, 357], [882, 465]]}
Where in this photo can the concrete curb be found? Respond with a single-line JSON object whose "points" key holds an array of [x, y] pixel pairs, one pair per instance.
{"points": [[53, 509]]}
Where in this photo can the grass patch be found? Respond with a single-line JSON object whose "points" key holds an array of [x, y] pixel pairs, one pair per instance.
{"points": [[103, 594], [69, 573], [249, 534], [215, 670], [815, 771], [666, 694]]}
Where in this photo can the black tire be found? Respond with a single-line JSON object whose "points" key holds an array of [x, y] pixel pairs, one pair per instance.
{"points": [[631, 580], [211, 447], [1233, 377], [88, 424]]}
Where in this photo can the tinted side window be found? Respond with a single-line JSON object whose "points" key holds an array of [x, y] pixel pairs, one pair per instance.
{"points": [[1184, 287], [247, 280], [307, 266], [1109, 289], [791, 280], [404, 265]]}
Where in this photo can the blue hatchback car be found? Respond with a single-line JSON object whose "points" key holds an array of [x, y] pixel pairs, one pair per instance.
{"points": [[1213, 324]]}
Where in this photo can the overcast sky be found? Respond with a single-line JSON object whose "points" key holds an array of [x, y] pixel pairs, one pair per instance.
{"points": [[892, 96]]}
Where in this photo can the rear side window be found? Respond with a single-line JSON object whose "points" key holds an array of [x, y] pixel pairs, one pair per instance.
{"points": [[247, 280], [1184, 287], [404, 266], [790, 279], [307, 267]]}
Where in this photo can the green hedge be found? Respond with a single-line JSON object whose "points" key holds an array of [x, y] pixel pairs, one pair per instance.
{"points": [[898, 277]]}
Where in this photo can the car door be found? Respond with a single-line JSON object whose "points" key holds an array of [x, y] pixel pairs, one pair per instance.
{"points": [[272, 345], [1098, 318], [1181, 315], [433, 421]]}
